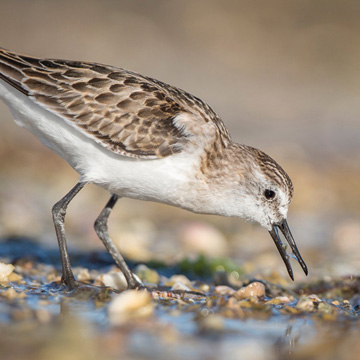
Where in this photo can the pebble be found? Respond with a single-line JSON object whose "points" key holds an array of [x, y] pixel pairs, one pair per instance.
{"points": [[278, 300], [147, 275], [204, 288], [346, 305], [14, 277], [305, 304], [5, 271], [314, 298], [83, 275], [180, 286], [224, 290], [178, 278], [255, 289], [325, 308], [233, 303], [129, 305], [12, 294], [247, 304], [116, 280]]}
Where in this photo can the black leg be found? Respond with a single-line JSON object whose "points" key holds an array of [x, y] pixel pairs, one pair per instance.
{"points": [[58, 213], [101, 229]]}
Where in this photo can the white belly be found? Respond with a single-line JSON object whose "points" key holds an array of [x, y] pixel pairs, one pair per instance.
{"points": [[162, 180]]}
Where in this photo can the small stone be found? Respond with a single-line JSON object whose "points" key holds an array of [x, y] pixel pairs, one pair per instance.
{"points": [[314, 298], [14, 277], [255, 289], [180, 286], [305, 304], [84, 275], [232, 303], [278, 300], [116, 280], [346, 305], [147, 275], [283, 299], [5, 271], [178, 278], [129, 305], [224, 290], [247, 304], [273, 302], [12, 294], [204, 288], [325, 308]]}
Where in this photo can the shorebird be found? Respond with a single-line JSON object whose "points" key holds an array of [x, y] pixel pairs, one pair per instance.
{"points": [[140, 138]]}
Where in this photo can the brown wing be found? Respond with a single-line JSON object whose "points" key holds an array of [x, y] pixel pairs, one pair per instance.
{"points": [[127, 113]]}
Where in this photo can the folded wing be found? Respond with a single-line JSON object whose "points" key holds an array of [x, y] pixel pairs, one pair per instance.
{"points": [[125, 112]]}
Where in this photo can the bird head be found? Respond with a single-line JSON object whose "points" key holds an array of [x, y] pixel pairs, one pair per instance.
{"points": [[264, 195]]}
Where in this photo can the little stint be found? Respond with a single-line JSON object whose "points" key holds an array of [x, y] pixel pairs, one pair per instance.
{"points": [[140, 138]]}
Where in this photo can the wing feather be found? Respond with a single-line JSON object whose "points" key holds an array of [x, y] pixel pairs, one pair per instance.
{"points": [[125, 112]]}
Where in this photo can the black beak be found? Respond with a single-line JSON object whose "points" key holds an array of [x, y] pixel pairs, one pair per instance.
{"points": [[283, 226]]}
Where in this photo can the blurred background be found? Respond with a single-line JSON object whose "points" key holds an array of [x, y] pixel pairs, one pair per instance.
{"points": [[283, 75]]}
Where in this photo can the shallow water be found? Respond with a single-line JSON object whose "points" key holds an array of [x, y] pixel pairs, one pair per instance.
{"points": [[42, 319]]}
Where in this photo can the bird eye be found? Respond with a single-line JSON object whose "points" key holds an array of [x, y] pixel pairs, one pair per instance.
{"points": [[269, 194]]}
